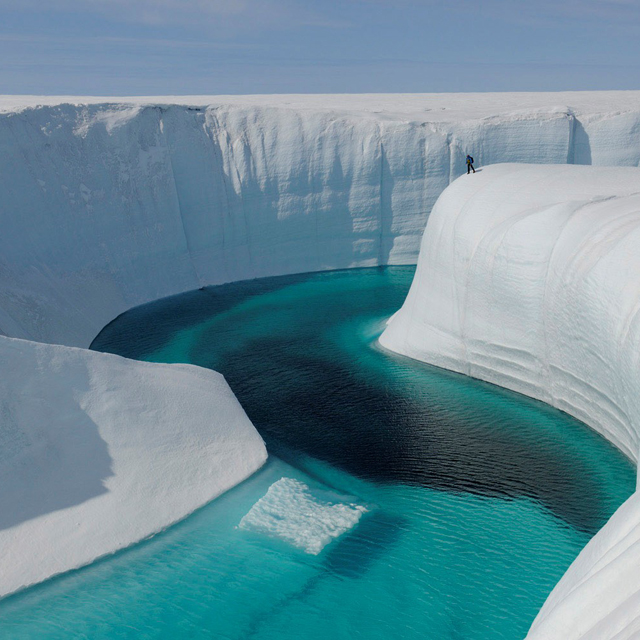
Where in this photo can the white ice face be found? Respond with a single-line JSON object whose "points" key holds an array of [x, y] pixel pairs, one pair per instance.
{"points": [[528, 278], [107, 206]]}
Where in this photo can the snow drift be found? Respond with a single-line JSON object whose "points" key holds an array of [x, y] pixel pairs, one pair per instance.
{"points": [[528, 278], [98, 452]]}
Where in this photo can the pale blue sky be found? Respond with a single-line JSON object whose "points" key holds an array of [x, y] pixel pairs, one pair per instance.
{"points": [[136, 47]]}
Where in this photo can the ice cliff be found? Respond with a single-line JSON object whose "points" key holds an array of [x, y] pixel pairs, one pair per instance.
{"points": [[528, 278], [98, 452], [107, 205], [110, 203]]}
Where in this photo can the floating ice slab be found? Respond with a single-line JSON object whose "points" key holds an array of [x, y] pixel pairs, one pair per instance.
{"points": [[308, 519]]}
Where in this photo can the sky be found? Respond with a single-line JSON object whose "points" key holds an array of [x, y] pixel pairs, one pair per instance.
{"points": [[173, 47]]}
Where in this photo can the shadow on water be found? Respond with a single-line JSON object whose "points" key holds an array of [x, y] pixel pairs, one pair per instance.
{"points": [[350, 556], [382, 435], [354, 552], [191, 308]]}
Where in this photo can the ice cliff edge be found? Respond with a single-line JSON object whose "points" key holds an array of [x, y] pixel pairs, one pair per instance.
{"points": [[98, 452], [528, 278]]}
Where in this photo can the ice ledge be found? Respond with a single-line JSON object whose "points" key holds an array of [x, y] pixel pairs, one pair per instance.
{"points": [[98, 452], [528, 278]]}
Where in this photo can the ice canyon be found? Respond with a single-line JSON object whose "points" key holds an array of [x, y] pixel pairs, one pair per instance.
{"points": [[111, 203]]}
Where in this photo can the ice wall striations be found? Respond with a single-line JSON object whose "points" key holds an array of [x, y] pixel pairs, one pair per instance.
{"points": [[528, 278], [109, 205], [98, 452]]}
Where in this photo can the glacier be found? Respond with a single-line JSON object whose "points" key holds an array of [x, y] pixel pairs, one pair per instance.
{"points": [[527, 278], [109, 203]]}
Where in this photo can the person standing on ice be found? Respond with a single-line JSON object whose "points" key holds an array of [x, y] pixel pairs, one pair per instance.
{"points": [[470, 165]]}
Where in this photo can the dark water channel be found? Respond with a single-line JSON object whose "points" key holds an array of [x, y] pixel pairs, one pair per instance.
{"points": [[477, 499]]}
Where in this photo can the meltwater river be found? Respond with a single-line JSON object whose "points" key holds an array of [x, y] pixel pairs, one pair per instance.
{"points": [[472, 500]]}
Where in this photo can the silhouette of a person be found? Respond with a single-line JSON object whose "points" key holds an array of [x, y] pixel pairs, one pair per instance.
{"points": [[470, 165]]}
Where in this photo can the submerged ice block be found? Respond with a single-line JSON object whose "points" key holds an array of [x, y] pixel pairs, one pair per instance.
{"points": [[306, 518]]}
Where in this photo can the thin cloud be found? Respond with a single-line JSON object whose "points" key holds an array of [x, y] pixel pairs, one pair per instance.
{"points": [[217, 14], [123, 42], [545, 13], [607, 12]]}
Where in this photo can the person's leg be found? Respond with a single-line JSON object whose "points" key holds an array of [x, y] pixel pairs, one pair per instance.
{"points": [[468, 169], [473, 169]]}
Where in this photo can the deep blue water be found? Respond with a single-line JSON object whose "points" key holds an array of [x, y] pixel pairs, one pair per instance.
{"points": [[477, 498]]}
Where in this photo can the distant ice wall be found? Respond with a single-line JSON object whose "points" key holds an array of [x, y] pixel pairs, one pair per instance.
{"points": [[528, 278], [109, 205]]}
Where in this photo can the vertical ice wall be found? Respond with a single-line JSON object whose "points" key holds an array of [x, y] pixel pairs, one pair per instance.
{"points": [[107, 206], [528, 278]]}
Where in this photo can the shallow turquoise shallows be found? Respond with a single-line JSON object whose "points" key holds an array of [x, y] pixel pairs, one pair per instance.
{"points": [[472, 500]]}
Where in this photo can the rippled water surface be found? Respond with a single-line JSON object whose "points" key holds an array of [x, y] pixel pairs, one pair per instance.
{"points": [[459, 504]]}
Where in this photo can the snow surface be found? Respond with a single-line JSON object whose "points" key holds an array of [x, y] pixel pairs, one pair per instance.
{"points": [[98, 452], [306, 518], [528, 278], [109, 203]]}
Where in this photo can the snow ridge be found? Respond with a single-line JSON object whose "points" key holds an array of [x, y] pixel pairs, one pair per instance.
{"points": [[98, 452]]}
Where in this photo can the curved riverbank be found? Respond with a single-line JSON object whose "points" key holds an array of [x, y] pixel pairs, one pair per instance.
{"points": [[527, 279]]}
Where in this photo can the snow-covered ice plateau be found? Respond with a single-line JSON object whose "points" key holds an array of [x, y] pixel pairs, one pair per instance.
{"points": [[109, 203], [528, 278]]}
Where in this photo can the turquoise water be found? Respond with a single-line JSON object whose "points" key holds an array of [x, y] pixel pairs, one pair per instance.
{"points": [[477, 499]]}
